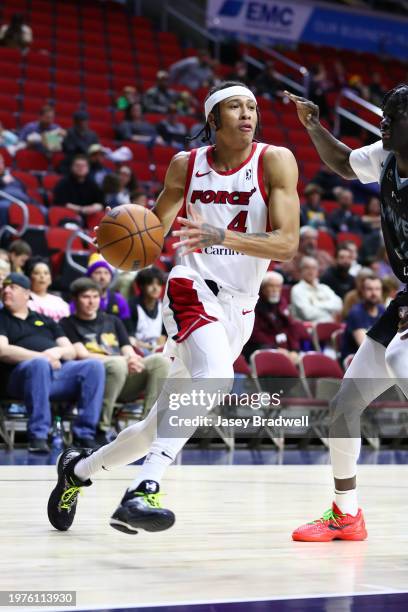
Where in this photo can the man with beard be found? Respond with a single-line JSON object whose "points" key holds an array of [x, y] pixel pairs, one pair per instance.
{"points": [[338, 277]]}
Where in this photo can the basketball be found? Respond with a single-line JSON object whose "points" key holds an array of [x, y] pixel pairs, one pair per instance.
{"points": [[130, 237]]}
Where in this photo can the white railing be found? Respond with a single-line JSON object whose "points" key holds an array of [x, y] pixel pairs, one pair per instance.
{"points": [[9, 228], [79, 233], [348, 95]]}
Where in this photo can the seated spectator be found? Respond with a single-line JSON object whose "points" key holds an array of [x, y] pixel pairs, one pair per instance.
{"points": [[240, 73], [329, 181], [78, 138], [13, 187], [19, 253], [8, 139], [274, 328], [371, 216], [186, 104], [146, 311], [355, 267], [311, 212], [376, 89], [343, 219], [267, 84], [128, 183], [338, 77], [354, 296], [78, 191], [193, 72], [127, 99], [111, 302], [369, 249], [307, 246], [362, 316], [37, 365], [355, 83], [312, 300], [97, 169], [319, 87], [158, 99], [338, 277], [136, 128], [17, 34], [97, 334], [171, 130], [44, 135], [4, 272], [41, 301]]}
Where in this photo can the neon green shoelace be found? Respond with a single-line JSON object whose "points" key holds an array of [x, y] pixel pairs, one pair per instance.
{"points": [[69, 497], [329, 515], [153, 499]]}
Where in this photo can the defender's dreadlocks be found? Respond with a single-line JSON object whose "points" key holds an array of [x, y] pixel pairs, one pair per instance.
{"points": [[206, 130], [398, 96]]}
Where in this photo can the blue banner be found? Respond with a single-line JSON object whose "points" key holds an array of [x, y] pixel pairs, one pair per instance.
{"points": [[306, 22]]}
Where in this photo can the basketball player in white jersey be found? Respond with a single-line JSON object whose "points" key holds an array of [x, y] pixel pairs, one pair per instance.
{"points": [[242, 210]]}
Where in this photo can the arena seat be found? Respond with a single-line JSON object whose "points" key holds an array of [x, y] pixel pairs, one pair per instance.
{"points": [[29, 159]]}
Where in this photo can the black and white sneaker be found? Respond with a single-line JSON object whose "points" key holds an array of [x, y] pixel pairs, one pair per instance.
{"points": [[64, 497], [141, 509]]}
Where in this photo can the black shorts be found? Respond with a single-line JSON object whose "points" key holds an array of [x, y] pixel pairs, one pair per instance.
{"points": [[384, 330]]}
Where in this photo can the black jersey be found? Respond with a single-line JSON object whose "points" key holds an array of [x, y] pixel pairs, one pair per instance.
{"points": [[394, 217]]}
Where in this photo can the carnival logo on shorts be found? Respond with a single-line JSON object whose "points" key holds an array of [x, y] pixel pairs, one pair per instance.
{"points": [[222, 197]]}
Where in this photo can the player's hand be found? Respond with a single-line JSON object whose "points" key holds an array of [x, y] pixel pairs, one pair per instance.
{"points": [[308, 111], [95, 229], [196, 234], [135, 364]]}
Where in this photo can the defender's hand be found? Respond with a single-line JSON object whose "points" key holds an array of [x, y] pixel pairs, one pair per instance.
{"points": [[308, 111], [197, 234]]}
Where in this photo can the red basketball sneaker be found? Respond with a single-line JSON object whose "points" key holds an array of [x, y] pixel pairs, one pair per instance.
{"points": [[333, 525]]}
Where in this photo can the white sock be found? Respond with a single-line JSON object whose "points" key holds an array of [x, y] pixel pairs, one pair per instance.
{"points": [[153, 468], [346, 501]]}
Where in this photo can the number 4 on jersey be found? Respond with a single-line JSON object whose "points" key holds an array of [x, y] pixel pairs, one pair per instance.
{"points": [[238, 224]]}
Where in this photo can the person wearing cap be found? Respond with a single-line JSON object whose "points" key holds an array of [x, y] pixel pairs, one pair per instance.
{"points": [[37, 364], [311, 212], [97, 169], [78, 191], [158, 98], [78, 138]]}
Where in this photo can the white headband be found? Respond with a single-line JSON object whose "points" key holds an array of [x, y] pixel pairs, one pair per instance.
{"points": [[223, 94]]}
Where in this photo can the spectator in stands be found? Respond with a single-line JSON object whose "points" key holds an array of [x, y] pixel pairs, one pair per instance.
{"points": [[44, 134], [377, 89], [354, 296], [171, 130], [267, 83], [371, 216], [355, 267], [13, 187], [391, 286], [5, 270], [97, 169], [240, 73], [193, 72], [16, 34], [356, 83], [311, 300], [186, 104], [4, 255], [329, 181], [111, 302], [38, 365], [338, 277], [97, 334], [78, 138], [146, 311], [158, 99], [274, 327], [8, 139], [370, 247], [78, 191], [311, 212], [41, 301], [136, 128], [363, 315], [128, 183], [127, 99], [320, 85], [19, 253], [338, 77], [343, 219], [307, 246]]}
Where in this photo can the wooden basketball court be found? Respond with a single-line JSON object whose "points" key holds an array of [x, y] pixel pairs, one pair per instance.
{"points": [[231, 541]]}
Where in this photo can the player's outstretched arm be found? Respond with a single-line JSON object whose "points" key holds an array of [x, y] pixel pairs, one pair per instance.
{"points": [[281, 175], [334, 153], [170, 199]]}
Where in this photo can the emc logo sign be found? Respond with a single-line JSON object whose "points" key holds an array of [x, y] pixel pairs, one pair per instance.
{"points": [[264, 12]]}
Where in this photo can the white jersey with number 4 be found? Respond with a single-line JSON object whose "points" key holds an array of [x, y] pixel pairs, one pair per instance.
{"points": [[235, 200]]}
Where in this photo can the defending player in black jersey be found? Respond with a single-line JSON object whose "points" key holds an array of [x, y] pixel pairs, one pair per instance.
{"points": [[382, 359]]}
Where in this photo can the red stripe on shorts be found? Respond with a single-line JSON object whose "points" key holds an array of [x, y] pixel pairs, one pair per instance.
{"points": [[189, 313]]}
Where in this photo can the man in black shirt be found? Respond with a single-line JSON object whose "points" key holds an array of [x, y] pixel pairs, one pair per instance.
{"points": [[37, 364], [338, 277], [79, 137], [78, 191], [97, 334]]}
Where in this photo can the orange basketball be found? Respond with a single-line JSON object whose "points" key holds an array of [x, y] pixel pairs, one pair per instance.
{"points": [[130, 237]]}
